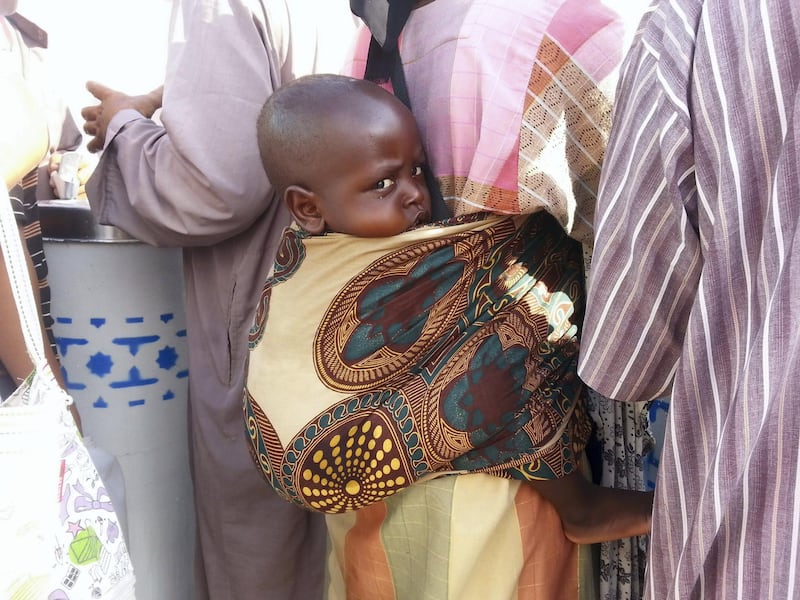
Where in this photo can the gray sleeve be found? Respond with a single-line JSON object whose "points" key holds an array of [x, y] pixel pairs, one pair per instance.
{"points": [[197, 179]]}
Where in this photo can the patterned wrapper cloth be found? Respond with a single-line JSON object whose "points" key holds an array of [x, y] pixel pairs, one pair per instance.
{"points": [[425, 377]]}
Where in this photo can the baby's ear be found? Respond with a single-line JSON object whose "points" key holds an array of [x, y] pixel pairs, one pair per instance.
{"points": [[304, 206]]}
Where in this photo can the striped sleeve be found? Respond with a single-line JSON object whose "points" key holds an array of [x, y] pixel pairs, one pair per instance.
{"points": [[647, 255]]}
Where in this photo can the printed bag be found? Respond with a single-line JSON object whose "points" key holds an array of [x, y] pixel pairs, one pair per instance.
{"points": [[60, 538]]}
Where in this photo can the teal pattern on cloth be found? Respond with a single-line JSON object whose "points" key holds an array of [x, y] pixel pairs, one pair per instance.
{"points": [[457, 354]]}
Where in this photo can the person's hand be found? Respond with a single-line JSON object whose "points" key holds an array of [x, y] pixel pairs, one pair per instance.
{"points": [[97, 117], [85, 168]]}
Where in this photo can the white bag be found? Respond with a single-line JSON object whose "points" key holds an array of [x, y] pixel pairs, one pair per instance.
{"points": [[60, 535]]}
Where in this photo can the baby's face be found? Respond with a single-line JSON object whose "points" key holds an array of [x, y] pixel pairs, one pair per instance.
{"points": [[376, 186]]}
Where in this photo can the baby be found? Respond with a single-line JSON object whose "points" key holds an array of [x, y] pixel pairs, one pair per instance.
{"points": [[346, 157]]}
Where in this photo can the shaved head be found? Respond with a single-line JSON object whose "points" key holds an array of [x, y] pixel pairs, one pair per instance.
{"points": [[304, 121]]}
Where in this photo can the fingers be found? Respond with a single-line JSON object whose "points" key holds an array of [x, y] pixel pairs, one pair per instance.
{"points": [[90, 128], [98, 117], [90, 113], [95, 145], [98, 138], [98, 90], [55, 161]]}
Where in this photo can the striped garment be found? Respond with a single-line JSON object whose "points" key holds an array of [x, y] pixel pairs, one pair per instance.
{"points": [[692, 288]]}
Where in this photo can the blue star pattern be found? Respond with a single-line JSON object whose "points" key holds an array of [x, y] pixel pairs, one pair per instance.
{"points": [[130, 361], [100, 364], [167, 357]]}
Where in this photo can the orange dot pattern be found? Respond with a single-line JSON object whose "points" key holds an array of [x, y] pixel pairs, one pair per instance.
{"points": [[352, 470]]}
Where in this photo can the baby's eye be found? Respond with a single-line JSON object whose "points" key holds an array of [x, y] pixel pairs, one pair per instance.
{"points": [[416, 171], [384, 184]]}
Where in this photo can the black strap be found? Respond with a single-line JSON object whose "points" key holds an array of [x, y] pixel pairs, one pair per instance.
{"points": [[386, 19]]}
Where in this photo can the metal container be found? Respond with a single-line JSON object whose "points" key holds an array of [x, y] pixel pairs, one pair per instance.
{"points": [[72, 220], [120, 328]]}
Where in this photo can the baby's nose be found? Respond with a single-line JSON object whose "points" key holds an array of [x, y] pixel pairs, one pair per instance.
{"points": [[414, 192]]}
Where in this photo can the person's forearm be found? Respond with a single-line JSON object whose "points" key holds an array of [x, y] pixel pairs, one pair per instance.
{"points": [[23, 130]]}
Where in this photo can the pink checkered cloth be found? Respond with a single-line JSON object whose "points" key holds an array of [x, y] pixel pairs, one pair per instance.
{"points": [[514, 104]]}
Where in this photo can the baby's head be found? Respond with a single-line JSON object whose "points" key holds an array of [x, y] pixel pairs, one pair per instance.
{"points": [[345, 155]]}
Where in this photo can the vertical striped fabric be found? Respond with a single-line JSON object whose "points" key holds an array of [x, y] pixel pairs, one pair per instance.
{"points": [[694, 288], [470, 537]]}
